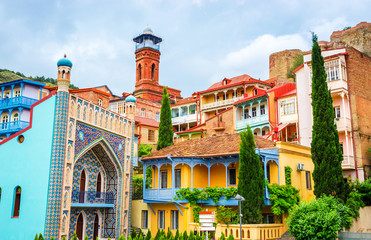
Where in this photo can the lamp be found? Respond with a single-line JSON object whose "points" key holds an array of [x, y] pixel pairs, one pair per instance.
{"points": [[239, 198]]}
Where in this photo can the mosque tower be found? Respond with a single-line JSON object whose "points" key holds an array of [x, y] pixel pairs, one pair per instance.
{"points": [[64, 74]]}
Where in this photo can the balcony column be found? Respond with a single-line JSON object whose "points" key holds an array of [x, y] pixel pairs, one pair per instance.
{"points": [[22, 84], [215, 96], [259, 109], [251, 109], [11, 92], [144, 177], [10, 114], [234, 93], [208, 173], [341, 74], [158, 180], [19, 113], [2, 92], [243, 112], [192, 175], [225, 94], [226, 174], [172, 179], [265, 175]]}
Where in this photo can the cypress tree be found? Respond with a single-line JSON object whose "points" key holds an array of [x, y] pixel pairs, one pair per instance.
{"points": [[165, 131], [41, 237], [250, 179], [326, 150], [149, 235]]}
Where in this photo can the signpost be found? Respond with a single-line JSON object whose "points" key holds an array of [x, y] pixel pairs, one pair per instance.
{"points": [[207, 220]]}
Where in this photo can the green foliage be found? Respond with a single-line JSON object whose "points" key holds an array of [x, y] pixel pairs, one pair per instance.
{"points": [[149, 235], [196, 213], [140, 232], [129, 237], [41, 237], [319, 219], [36, 237], [144, 149], [122, 237], [149, 177], [165, 131], [226, 215], [169, 233], [283, 198], [191, 236], [137, 188], [74, 237], [176, 235], [63, 238], [325, 147], [133, 233], [86, 237], [354, 203], [251, 179], [364, 189], [141, 237], [52, 238], [109, 239], [230, 237], [346, 28], [222, 237], [215, 193], [288, 171], [158, 234], [299, 59], [198, 237], [185, 235]]}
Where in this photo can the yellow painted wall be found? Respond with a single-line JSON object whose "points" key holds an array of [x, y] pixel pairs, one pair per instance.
{"points": [[136, 214], [217, 175], [272, 108], [200, 179]]}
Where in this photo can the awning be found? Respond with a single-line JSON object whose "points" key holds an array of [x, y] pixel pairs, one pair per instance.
{"points": [[280, 128]]}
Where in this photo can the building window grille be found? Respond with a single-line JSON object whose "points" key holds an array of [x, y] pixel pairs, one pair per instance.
{"points": [[288, 107], [308, 180], [161, 219], [178, 178], [151, 135], [174, 219], [100, 102], [143, 112], [253, 111], [163, 179], [262, 110], [16, 117], [231, 176], [17, 93], [144, 219], [337, 112], [158, 117]]}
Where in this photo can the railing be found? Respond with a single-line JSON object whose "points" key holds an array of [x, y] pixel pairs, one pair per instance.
{"points": [[337, 84], [184, 119], [249, 231], [219, 125], [92, 197], [17, 101], [260, 119], [13, 126], [158, 194], [147, 44], [220, 103], [343, 124], [348, 162]]}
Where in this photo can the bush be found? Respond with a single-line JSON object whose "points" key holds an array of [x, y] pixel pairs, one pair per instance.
{"points": [[364, 189], [226, 215], [319, 219], [230, 237], [283, 198], [122, 237], [222, 237], [149, 235]]}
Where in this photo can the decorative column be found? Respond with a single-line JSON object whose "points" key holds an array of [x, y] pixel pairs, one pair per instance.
{"points": [[226, 174], [243, 112], [251, 109], [234, 93], [2, 92], [158, 180], [144, 178], [19, 113], [215, 96], [192, 175], [208, 173], [172, 179], [11, 92], [259, 109], [22, 84]]}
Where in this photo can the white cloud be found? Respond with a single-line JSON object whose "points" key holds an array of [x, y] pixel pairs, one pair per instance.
{"points": [[324, 28]]}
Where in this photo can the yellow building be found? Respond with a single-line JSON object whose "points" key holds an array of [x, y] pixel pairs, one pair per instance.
{"points": [[214, 161]]}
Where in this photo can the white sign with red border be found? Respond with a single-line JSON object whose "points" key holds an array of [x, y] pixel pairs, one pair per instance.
{"points": [[207, 219]]}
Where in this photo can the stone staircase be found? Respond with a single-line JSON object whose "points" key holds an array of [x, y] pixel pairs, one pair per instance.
{"points": [[286, 236]]}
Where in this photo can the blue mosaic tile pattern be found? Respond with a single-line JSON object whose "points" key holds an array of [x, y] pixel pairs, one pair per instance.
{"points": [[89, 221], [53, 211]]}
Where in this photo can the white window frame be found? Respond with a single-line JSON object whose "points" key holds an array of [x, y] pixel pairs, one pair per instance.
{"points": [[143, 112], [144, 219], [262, 109], [161, 219], [100, 102], [174, 219]]}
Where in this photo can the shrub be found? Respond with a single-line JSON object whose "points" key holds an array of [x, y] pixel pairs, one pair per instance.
{"points": [[230, 237], [222, 237], [122, 237], [226, 215], [41, 237], [364, 189], [74, 237], [319, 219], [149, 235], [283, 198]]}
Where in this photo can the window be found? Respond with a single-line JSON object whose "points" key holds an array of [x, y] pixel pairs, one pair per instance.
{"points": [[17, 202], [163, 179], [139, 72], [217, 98], [337, 112], [178, 178], [158, 117], [161, 219], [153, 71], [143, 112], [174, 219], [288, 107], [151, 135], [99, 184], [308, 180], [16, 117], [78, 111], [231, 176], [100, 102], [268, 218], [342, 148], [246, 113], [255, 91], [175, 112], [84, 114], [253, 111], [17, 93], [262, 109], [184, 111], [144, 219], [332, 70], [192, 109]]}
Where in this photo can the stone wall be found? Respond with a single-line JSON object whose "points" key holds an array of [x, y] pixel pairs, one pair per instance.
{"points": [[280, 62]]}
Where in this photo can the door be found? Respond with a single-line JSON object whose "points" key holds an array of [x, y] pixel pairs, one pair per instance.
{"points": [[80, 227]]}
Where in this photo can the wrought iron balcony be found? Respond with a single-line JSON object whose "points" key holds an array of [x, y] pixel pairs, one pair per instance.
{"points": [[20, 101], [14, 126], [92, 197]]}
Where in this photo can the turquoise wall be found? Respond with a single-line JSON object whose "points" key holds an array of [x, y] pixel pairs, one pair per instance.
{"points": [[27, 165]]}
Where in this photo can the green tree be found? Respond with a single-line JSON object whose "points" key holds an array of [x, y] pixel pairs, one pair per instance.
{"points": [[165, 131], [191, 236], [133, 233], [122, 237], [250, 179], [41, 237], [36, 237], [321, 219], [230, 237], [86, 237], [158, 234], [149, 235], [74, 237], [177, 234], [222, 237], [185, 235], [144, 149], [326, 150], [298, 60]]}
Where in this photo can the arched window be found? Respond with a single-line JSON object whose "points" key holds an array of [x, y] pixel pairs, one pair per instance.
{"points": [[106, 122], [99, 184], [139, 72], [101, 120], [65, 201], [70, 130], [78, 111], [68, 153], [72, 108], [153, 72], [110, 126], [80, 227], [5, 119], [63, 72], [91, 115], [96, 118], [16, 117], [82, 186], [17, 201], [64, 224], [84, 114]]}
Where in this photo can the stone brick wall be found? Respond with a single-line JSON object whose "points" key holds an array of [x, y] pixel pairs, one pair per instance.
{"points": [[359, 79], [93, 97], [150, 107], [280, 62], [358, 37], [221, 124]]}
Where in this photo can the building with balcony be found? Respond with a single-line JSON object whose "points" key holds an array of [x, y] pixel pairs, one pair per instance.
{"points": [[348, 78], [222, 95], [214, 162], [260, 111], [15, 103], [70, 170], [185, 113]]}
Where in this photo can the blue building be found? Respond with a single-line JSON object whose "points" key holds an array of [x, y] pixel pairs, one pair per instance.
{"points": [[69, 170], [15, 104]]}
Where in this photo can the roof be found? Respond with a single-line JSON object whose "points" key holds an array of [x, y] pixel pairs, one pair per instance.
{"points": [[64, 62], [283, 89], [292, 92], [194, 129], [146, 121], [22, 80], [208, 147], [235, 81], [184, 101], [88, 90]]}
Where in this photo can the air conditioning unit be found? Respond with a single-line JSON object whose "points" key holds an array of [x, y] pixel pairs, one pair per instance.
{"points": [[300, 166]]}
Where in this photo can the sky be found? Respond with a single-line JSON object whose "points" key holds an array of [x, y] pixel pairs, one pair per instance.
{"points": [[204, 41]]}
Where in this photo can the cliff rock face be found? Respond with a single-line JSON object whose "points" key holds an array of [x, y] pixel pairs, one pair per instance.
{"points": [[358, 37], [280, 62]]}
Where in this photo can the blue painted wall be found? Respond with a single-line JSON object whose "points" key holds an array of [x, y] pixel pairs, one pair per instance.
{"points": [[27, 165]]}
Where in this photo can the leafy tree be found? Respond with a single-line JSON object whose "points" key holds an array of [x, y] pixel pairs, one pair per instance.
{"points": [[165, 131], [230, 237], [177, 234], [326, 150], [319, 219], [250, 179], [283, 197], [158, 234], [191, 236], [169, 233], [222, 237], [63, 238], [36, 237], [288, 171], [133, 233], [364, 189], [226, 215], [185, 235], [86, 237], [144, 149]]}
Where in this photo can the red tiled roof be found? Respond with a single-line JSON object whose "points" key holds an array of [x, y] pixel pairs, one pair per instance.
{"points": [[207, 147], [147, 121], [279, 90], [292, 92], [250, 97], [194, 129], [185, 101]]}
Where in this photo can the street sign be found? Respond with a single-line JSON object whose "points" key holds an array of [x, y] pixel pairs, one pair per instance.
{"points": [[207, 229], [207, 218]]}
